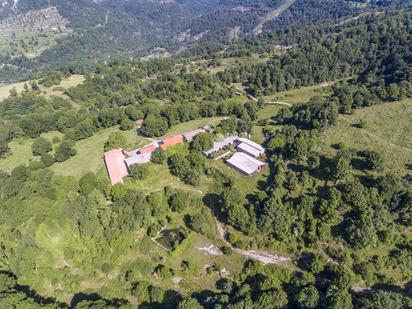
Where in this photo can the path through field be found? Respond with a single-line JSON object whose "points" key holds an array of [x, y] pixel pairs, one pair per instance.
{"points": [[264, 257], [257, 100], [280, 103]]}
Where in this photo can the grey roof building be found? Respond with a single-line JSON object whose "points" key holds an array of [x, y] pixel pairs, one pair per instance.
{"points": [[249, 150], [138, 159], [252, 144], [217, 146], [245, 163]]}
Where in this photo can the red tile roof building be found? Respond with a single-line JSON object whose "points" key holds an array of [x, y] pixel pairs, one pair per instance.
{"points": [[170, 141], [138, 123], [147, 149], [115, 165]]}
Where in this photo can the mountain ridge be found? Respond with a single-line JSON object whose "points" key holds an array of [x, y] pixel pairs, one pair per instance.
{"points": [[106, 29]]}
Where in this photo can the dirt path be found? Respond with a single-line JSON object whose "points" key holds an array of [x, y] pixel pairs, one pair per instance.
{"points": [[211, 249], [257, 100], [264, 257], [247, 94], [280, 103], [284, 261]]}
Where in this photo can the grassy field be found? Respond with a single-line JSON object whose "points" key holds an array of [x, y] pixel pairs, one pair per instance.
{"points": [[5, 89], [66, 83], [20, 151], [90, 150], [233, 62], [194, 124], [89, 157], [265, 113], [388, 130], [298, 95]]}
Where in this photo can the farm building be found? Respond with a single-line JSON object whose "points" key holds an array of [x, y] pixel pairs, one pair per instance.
{"points": [[138, 123], [208, 128], [147, 149], [217, 146], [251, 148], [190, 136], [138, 159], [245, 163], [170, 141], [116, 167]]}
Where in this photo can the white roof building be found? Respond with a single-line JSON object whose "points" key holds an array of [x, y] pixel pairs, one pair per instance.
{"points": [[245, 163], [252, 144], [249, 150], [138, 159]]}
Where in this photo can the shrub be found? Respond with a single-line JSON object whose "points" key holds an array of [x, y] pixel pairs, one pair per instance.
{"points": [[158, 156], [139, 171], [4, 148], [41, 146], [164, 272], [64, 151], [126, 125], [179, 201], [374, 160], [47, 159], [115, 140]]}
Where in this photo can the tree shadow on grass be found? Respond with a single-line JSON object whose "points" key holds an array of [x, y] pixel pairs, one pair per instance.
{"points": [[30, 293], [322, 172], [359, 164], [94, 297], [212, 201], [262, 185], [204, 297]]}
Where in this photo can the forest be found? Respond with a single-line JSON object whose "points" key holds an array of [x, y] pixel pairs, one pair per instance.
{"points": [[340, 216], [104, 30]]}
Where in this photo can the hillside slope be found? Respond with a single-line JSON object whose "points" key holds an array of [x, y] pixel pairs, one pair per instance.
{"points": [[94, 31]]}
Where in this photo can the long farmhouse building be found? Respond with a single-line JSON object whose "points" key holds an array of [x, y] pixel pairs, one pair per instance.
{"points": [[115, 165], [245, 159], [118, 161]]}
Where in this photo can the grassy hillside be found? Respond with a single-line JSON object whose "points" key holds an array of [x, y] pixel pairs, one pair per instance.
{"points": [[31, 33], [388, 130], [57, 90]]}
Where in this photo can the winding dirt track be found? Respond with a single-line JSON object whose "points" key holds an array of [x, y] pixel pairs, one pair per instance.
{"points": [[264, 257]]}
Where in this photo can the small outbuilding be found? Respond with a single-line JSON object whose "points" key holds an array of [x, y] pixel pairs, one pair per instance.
{"points": [[147, 149], [190, 136], [171, 141], [245, 163], [139, 122]]}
